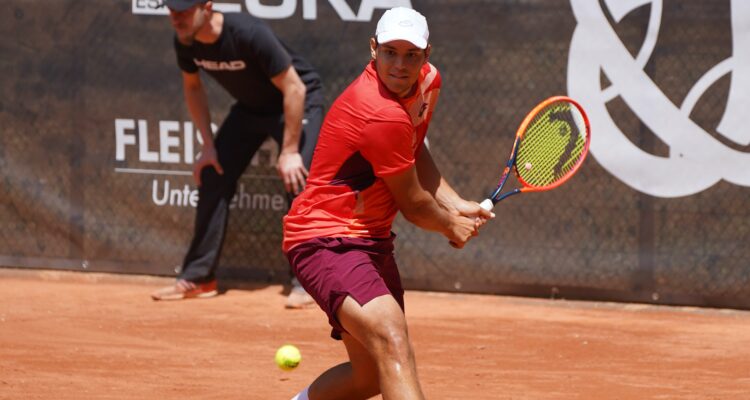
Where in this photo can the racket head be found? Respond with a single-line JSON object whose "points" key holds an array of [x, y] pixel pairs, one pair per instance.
{"points": [[552, 143]]}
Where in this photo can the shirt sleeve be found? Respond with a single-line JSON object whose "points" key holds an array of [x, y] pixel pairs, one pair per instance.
{"points": [[265, 49], [184, 57], [388, 145]]}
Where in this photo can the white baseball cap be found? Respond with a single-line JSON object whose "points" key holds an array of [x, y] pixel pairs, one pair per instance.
{"points": [[401, 23]]}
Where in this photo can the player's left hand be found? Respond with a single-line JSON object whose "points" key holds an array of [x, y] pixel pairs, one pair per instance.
{"points": [[292, 171], [472, 209]]}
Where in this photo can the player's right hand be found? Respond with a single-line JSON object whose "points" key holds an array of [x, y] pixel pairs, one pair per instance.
{"points": [[208, 157], [462, 230]]}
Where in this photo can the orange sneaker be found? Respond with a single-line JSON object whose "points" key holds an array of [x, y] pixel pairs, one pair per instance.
{"points": [[183, 289]]}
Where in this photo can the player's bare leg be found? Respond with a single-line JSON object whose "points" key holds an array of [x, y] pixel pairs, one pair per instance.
{"points": [[380, 328], [356, 379]]}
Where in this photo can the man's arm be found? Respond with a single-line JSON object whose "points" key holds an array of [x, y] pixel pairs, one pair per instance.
{"points": [[197, 103], [433, 182], [422, 209], [290, 165]]}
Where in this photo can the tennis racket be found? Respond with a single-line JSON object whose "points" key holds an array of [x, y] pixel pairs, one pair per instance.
{"points": [[551, 144]]}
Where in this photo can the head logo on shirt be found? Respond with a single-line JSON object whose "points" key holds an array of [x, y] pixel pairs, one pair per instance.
{"points": [[210, 65], [423, 109]]}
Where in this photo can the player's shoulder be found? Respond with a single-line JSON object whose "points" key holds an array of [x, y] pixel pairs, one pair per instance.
{"points": [[389, 111], [430, 77], [368, 107], [381, 105]]}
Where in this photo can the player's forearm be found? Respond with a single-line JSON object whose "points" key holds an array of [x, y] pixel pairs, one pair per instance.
{"points": [[432, 181], [417, 204], [425, 212], [446, 196], [432, 217]]}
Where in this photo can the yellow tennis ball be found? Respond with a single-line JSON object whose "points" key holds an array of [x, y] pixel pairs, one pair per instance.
{"points": [[288, 357]]}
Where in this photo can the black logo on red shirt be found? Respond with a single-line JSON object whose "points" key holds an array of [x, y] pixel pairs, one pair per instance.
{"points": [[422, 109]]}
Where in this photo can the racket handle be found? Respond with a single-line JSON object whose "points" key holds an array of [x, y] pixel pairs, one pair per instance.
{"points": [[487, 204]]}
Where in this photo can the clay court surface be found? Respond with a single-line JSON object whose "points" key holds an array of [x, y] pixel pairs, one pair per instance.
{"points": [[92, 336]]}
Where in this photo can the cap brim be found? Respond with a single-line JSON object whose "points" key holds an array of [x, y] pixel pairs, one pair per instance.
{"points": [[386, 37], [177, 5]]}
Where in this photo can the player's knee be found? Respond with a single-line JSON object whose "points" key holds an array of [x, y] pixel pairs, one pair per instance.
{"points": [[392, 342]]}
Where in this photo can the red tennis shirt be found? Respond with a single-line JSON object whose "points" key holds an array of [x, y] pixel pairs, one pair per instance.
{"points": [[368, 134]]}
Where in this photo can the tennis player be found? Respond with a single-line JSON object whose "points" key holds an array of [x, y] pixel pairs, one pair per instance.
{"points": [[371, 162]]}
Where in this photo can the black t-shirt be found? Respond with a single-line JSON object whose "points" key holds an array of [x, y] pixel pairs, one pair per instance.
{"points": [[243, 60]]}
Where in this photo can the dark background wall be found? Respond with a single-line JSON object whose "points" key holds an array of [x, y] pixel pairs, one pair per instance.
{"points": [[78, 74]]}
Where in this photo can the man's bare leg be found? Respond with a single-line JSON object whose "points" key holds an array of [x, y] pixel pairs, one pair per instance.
{"points": [[381, 359], [380, 326], [356, 379]]}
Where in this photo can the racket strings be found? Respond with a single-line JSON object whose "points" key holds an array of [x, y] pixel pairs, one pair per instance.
{"points": [[552, 145]]}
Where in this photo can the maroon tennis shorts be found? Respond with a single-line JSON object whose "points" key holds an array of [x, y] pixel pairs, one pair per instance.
{"points": [[332, 268]]}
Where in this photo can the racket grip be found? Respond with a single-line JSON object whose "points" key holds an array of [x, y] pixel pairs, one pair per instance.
{"points": [[487, 204]]}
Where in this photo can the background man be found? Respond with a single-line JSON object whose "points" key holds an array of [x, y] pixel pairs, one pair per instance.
{"points": [[278, 93]]}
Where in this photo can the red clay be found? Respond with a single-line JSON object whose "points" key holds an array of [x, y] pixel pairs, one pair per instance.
{"points": [[93, 336]]}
